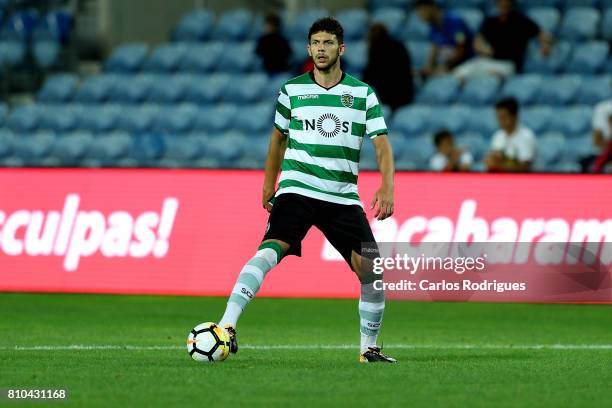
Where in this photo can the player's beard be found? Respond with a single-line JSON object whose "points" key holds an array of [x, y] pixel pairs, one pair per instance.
{"points": [[326, 67]]}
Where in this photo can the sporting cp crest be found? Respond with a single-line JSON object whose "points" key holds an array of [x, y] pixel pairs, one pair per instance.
{"points": [[347, 100]]}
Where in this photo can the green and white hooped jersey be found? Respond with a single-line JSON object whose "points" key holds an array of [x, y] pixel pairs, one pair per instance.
{"points": [[325, 129]]}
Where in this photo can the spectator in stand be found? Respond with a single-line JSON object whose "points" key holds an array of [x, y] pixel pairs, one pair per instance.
{"points": [[450, 37], [272, 47], [389, 69], [502, 42], [448, 157], [602, 136], [513, 147]]}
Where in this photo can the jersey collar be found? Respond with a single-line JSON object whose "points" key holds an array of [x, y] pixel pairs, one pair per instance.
{"points": [[312, 77]]}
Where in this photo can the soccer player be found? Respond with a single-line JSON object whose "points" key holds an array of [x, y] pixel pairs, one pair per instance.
{"points": [[322, 118]]}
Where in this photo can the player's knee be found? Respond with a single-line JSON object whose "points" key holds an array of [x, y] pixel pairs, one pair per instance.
{"points": [[363, 268], [276, 247]]}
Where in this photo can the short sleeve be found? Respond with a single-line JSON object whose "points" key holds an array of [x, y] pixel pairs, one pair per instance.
{"points": [[600, 116], [438, 162], [527, 146], [283, 111], [375, 122]]}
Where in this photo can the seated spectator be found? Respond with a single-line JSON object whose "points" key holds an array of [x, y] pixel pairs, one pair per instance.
{"points": [[602, 138], [450, 37], [389, 69], [501, 43], [513, 147], [272, 47], [448, 157]]}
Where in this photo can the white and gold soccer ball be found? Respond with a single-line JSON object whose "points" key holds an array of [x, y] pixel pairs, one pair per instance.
{"points": [[208, 342]]}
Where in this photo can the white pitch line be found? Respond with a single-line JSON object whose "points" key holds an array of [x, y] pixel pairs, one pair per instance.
{"points": [[83, 347]]}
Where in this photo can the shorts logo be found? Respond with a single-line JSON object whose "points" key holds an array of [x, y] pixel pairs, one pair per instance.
{"points": [[347, 99], [328, 125]]}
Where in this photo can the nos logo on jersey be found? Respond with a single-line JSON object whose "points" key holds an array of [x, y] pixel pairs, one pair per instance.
{"points": [[328, 125], [347, 99]]}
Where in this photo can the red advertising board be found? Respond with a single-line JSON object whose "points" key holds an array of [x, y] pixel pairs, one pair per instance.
{"points": [[191, 231]]}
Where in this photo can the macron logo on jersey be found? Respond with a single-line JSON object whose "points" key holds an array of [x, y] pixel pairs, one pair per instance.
{"points": [[309, 96]]}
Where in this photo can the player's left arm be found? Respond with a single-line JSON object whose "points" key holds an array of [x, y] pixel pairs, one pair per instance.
{"points": [[384, 198]]}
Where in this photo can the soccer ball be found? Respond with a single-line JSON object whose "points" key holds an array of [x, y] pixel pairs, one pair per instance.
{"points": [[208, 342]]}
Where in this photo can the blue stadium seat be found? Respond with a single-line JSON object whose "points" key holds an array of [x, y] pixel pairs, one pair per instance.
{"points": [[216, 119], [474, 143], [3, 114], [483, 121], [296, 27], [299, 53], [577, 148], [537, 118], [184, 149], [255, 119], [194, 26], [378, 4], [46, 53], [571, 121], [419, 150], [258, 147], [72, 147], [606, 24], [274, 84], [239, 57], [480, 90], [208, 88], [560, 90], [566, 4], [394, 19], [525, 88], [411, 120], [477, 4], [170, 89], [353, 21], [58, 88], [146, 149], [580, 23], [419, 52], [567, 167], [548, 18], [7, 140], [439, 90], [454, 118], [55, 26], [12, 52], [539, 3], [245, 88], [132, 88], [166, 58], [412, 29], [137, 119], [589, 58], [19, 26], [60, 118], [99, 119], [107, 148], [471, 16], [96, 89], [547, 64], [228, 147], [550, 148], [233, 25], [595, 89], [176, 119], [33, 147], [356, 57], [202, 57], [127, 58], [367, 157], [24, 119]]}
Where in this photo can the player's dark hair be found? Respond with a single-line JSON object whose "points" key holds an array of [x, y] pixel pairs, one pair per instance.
{"points": [[420, 3], [273, 19], [509, 104], [328, 25], [441, 135]]}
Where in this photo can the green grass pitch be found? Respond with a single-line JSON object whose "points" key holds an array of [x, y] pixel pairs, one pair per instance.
{"points": [[450, 354]]}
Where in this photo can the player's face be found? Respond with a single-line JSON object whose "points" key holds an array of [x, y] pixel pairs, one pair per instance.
{"points": [[325, 50]]}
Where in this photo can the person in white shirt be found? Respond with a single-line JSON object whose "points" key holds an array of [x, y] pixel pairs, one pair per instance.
{"points": [[448, 157], [602, 133], [513, 147]]}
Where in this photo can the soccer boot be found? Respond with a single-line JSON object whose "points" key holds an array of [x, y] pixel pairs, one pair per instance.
{"points": [[373, 355], [233, 342]]}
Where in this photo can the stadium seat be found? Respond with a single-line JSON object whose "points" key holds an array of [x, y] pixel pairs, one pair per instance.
{"points": [[547, 64], [537, 118], [60, 118], [413, 29], [589, 58], [127, 58], [107, 148], [353, 21], [299, 53], [595, 89], [184, 149], [274, 84], [12, 53], [170, 88], [258, 148], [132, 88], [471, 16], [606, 24], [245, 88], [137, 119], [480, 90], [473, 143], [455, 119], [566, 4], [571, 121], [3, 114], [165, 58], [525, 88], [58, 88], [33, 147], [177, 119], [96, 89], [378, 4], [566, 167], [72, 147], [24, 119], [560, 90], [580, 23], [419, 52], [547, 18], [7, 140], [356, 57], [477, 4], [411, 120], [194, 26], [419, 150], [228, 147], [146, 149], [395, 20], [296, 26], [202, 57], [439, 90], [55, 26], [577, 148], [233, 25], [216, 119], [483, 121], [208, 88], [239, 57], [255, 118], [539, 3], [550, 148], [99, 119], [46, 53]]}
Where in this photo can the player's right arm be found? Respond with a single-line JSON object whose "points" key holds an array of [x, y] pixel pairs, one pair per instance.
{"points": [[276, 152]]}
